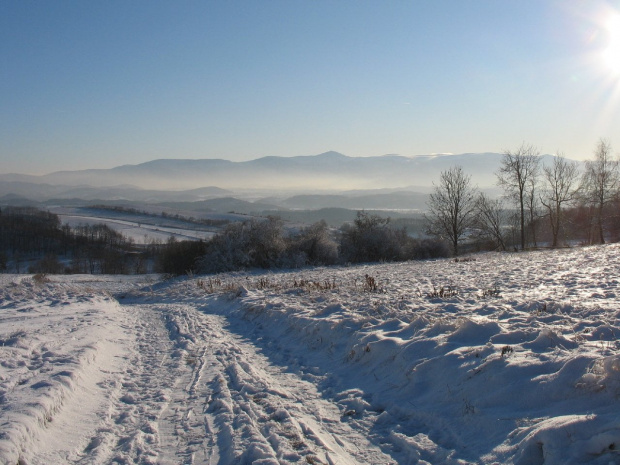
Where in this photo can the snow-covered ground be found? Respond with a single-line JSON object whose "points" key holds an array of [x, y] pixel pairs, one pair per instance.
{"points": [[138, 231], [507, 358]]}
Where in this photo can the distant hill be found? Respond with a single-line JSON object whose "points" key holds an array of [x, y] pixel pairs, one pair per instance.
{"points": [[327, 171], [44, 191], [222, 205], [15, 200], [336, 217], [370, 201]]}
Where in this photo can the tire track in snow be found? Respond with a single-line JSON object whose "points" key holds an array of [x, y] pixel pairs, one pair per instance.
{"points": [[234, 406], [186, 434], [128, 429]]}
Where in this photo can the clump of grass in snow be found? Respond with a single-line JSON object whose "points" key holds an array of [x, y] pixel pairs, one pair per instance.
{"points": [[464, 259], [442, 292], [40, 278], [491, 292], [506, 350], [315, 285], [210, 285], [313, 460], [213, 285], [370, 284]]}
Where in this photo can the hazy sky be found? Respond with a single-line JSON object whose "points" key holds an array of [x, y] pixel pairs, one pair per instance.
{"points": [[87, 84]]}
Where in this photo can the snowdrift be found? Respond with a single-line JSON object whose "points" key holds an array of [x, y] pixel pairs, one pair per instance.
{"points": [[504, 358]]}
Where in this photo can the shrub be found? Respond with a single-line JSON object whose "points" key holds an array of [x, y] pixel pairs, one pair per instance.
{"points": [[251, 244], [179, 257], [47, 265], [371, 239], [313, 246], [425, 249], [40, 278]]}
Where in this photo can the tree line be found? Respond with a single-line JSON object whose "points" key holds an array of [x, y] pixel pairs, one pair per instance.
{"points": [[555, 203], [35, 241]]}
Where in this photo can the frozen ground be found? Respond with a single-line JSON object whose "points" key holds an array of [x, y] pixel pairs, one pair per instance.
{"points": [[509, 358], [139, 231]]}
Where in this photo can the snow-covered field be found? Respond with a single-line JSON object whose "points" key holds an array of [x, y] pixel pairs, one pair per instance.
{"points": [[508, 358], [140, 232], [145, 228]]}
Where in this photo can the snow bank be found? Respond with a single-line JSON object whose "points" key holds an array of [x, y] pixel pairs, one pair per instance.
{"points": [[528, 373], [56, 341]]}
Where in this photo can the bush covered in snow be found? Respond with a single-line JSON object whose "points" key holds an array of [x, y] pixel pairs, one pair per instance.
{"points": [[371, 239], [264, 244], [252, 244]]}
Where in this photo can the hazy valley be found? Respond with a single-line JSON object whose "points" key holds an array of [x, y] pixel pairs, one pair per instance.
{"points": [[300, 190]]}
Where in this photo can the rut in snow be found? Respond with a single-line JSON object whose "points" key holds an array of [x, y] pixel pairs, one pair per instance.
{"points": [[234, 406], [195, 393]]}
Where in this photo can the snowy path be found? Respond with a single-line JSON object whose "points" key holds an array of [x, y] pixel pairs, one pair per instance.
{"points": [[230, 404], [168, 384]]}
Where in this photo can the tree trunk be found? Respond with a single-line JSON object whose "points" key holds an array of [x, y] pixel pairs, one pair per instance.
{"points": [[556, 229], [600, 225], [522, 225]]}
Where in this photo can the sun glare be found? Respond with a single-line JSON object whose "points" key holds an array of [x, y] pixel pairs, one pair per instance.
{"points": [[611, 54]]}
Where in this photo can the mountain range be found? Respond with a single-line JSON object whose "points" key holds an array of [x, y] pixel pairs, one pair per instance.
{"points": [[327, 171]]}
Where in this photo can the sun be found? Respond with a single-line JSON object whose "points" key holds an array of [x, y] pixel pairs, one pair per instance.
{"points": [[611, 53]]}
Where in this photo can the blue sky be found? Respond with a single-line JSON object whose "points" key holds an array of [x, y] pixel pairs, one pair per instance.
{"points": [[101, 84]]}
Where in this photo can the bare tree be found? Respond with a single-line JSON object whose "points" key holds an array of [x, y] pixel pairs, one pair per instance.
{"points": [[492, 219], [600, 182], [452, 206], [561, 188], [516, 175], [532, 204]]}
